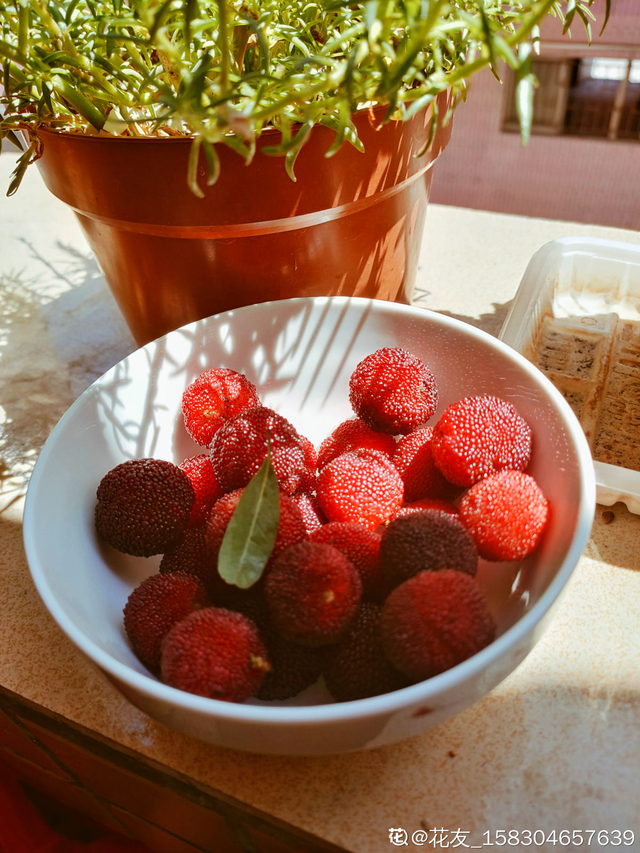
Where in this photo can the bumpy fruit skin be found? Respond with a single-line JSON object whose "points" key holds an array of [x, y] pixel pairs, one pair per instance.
{"points": [[240, 447], [427, 503], [414, 460], [392, 391], [194, 555], [361, 486], [219, 518], [362, 548], [189, 555], [506, 515], [359, 668], [214, 397], [310, 458], [155, 606], [312, 515], [293, 667], [215, 653], [479, 436], [200, 472], [435, 621], [312, 592], [354, 434], [143, 506], [427, 541]]}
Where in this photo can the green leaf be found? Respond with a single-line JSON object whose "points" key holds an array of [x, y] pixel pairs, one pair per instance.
{"points": [[191, 11], [21, 167], [160, 18], [291, 156], [488, 40], [23, 29], [192, 173], [584, 17], [568, 16], [607, 13], [251, 533], [213, 162], [433, 126], [78, 101]]}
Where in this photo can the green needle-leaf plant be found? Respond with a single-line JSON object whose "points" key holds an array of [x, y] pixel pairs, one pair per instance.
{"points": [[222, 70]]}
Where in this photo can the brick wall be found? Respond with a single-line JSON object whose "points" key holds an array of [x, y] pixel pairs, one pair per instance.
{"points": [[577, 179]]}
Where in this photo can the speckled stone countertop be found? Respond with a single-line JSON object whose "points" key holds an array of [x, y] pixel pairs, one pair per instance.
{"points": [[555, 746]]}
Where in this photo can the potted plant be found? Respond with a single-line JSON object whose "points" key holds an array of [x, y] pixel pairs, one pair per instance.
{"points": [[159, 122]]}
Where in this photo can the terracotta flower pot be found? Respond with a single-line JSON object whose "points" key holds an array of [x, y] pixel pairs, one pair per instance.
{"points": [[351, 225]]}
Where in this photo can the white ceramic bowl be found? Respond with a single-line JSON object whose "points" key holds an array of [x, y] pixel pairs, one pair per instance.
{"points": [[300, 354]]}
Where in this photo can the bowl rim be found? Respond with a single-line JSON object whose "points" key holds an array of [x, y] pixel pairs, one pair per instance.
{"points": [[387, 703]]}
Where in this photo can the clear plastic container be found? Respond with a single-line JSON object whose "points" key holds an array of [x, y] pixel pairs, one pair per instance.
{"points": [[576, 315]]}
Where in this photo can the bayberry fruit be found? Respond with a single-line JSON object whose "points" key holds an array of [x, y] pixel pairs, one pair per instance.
{"points": [[354, 434], [429, 541], [312, 592], [414, 460], [240, 447], [362, 486], [143, 506], [214, 397], [215, 653], [362, 547], [506, 515], [392, 391], [480, 436], [312, 515], [155, 606], [433, 622], [200, 472], [427, 503], [359, 668]]}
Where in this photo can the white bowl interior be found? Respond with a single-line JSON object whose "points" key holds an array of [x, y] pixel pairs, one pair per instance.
{"points": [[300, 354]]}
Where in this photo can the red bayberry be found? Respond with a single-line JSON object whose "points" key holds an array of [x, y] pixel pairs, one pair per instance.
{"points": [[155, 606], [392, 391], [362, 486], [354, 434], [480, 436], [200, 472], [143, 506], [293, 667], [430, 540], [434, 621], [214, 397], [310, 457], [312, 515], [414, 460], [362, 547], [219, 518], [240, 446], [189, 555], [312, 593], [359, 668], [427, 503], [193, 555], [215, 653], [506, 515]]}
